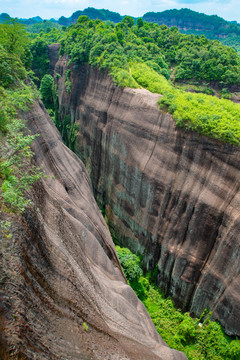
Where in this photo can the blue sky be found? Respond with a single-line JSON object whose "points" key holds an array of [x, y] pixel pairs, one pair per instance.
{"points": [[228, 9]]}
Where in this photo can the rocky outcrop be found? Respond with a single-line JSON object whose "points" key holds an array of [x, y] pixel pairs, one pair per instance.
{"points": [[63, 294], [169, 194], [53, 51]]}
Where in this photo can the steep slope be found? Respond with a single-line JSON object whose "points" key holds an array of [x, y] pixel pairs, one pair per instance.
{"points": [[63, 292], [169, 194]]}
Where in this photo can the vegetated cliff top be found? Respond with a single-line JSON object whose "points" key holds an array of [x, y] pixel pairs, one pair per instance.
{"points": [[148, 55]]}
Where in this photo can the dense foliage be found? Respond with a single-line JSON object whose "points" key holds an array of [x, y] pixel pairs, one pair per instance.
{"points": [[42, 35], [146, 55], [199, 338], [17, 174], [46, 91], [205, 114], [191, 57], [45, 26]]}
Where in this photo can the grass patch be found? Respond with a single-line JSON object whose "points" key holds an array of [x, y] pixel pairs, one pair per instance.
{"points": [[206, 114]]}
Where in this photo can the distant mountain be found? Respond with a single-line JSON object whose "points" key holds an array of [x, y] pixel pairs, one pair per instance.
{"points": [[4, 17], [192, 22], [93, 14], [31, 21], [186, 19]]}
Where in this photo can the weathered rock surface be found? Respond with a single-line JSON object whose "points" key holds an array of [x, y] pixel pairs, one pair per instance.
{"points": [[53, 51], [169, 194], [63, 294]]}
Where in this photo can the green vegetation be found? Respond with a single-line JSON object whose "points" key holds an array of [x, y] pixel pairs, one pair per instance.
{"points": [[46, 91], [218, 118], [45, 27], [40, 62], [199, 338], [192, 22], [68, 83], [47, 31], [17, 174], [114, 47], [85, 326], [39, 46], [146, 55]]}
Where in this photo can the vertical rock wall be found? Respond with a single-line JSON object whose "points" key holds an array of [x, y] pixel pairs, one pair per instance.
{"points": [[171, 195], [63, 294]]}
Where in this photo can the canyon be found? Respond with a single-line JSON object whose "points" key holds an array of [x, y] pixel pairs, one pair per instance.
{"points": [[63, 293], [168, 194]]}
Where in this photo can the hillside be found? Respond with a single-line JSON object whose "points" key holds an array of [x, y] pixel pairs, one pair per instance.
{"points": [[192, 22]]}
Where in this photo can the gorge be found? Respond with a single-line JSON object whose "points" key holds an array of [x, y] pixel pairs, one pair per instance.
{"points": [[125, 162], [63, 292], [169, 194]]}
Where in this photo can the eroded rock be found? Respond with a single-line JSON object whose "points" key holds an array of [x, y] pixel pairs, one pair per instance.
{"points": [[169, 194], [64, 295]]}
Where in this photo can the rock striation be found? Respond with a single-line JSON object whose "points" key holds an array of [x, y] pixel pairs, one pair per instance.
{"points": [[169, 194], [63, 294]]}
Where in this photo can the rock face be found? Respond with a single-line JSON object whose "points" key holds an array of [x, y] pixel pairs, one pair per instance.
{"points": [[53, 56], [169, 194], [63, 294]]}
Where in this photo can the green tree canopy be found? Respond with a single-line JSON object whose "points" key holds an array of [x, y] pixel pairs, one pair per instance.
{"points": [[14, 37], [46, 90]]}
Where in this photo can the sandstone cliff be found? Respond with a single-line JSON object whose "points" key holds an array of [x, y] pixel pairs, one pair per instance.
{"points": [[169, 194], [63, 294]]}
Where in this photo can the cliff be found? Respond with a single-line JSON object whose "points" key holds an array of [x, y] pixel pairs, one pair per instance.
{"points": [[186, 19], [63, 294], [170, 195]]}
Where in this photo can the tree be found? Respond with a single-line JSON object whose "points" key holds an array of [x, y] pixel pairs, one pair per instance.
{"points": [[82, 19], [14, 37], [129, 21], [39, 49], [46, 91], [140, 22], [11, 69]]}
